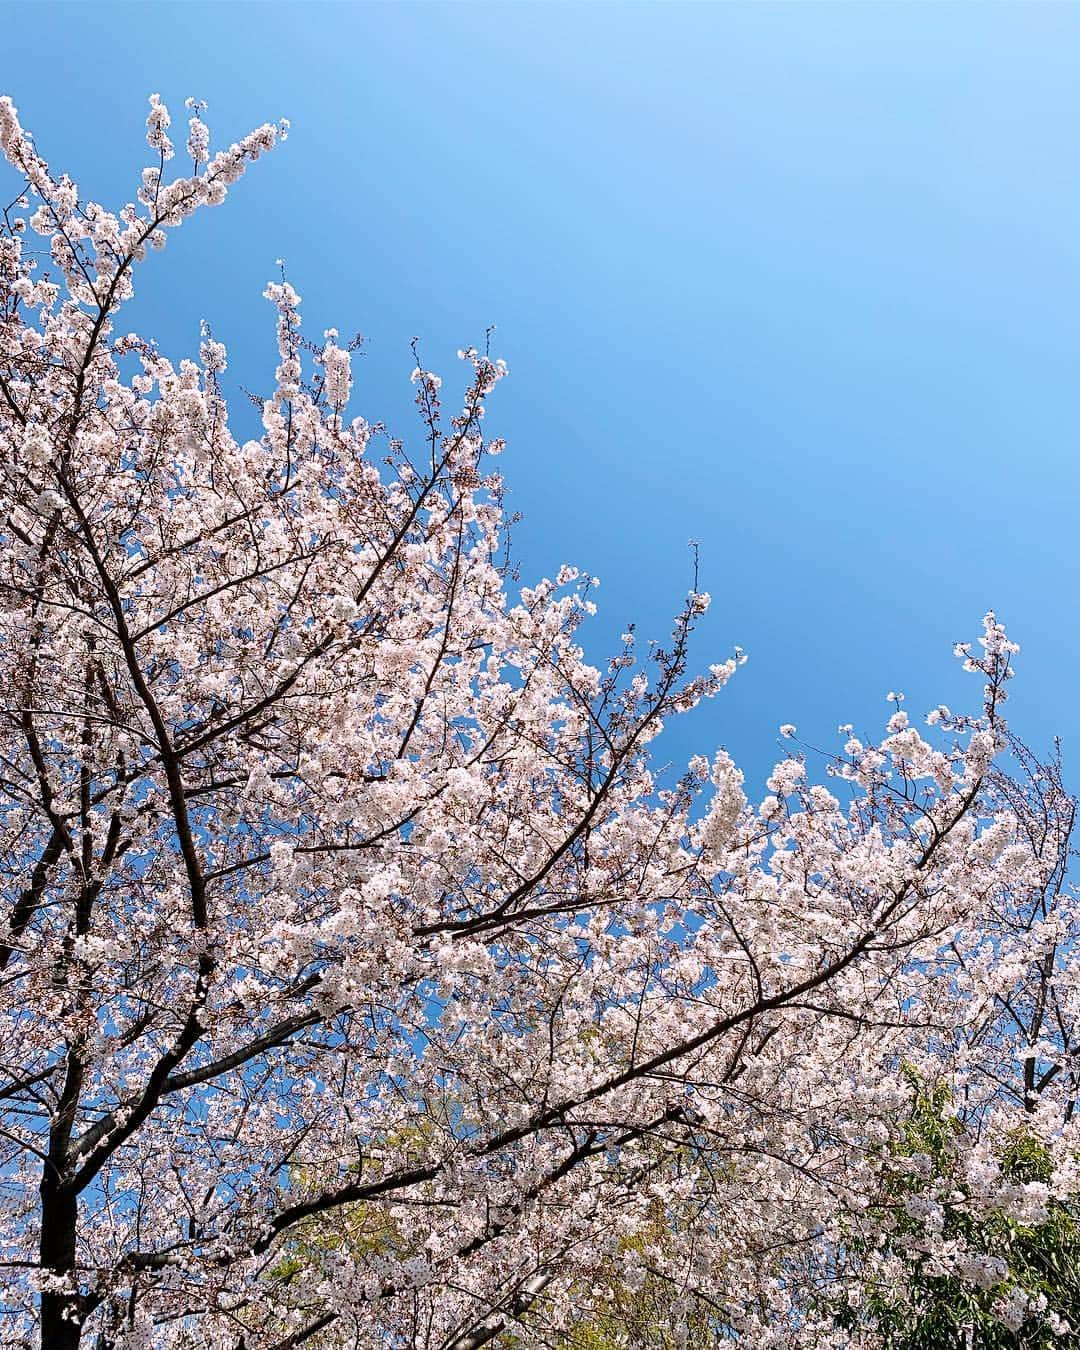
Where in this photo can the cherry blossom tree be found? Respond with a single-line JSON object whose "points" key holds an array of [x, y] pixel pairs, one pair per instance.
{"points": [[361, 983], [988, 1232]]}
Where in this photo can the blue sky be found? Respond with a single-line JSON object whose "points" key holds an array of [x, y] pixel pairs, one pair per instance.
{"points": [[798, 281]]}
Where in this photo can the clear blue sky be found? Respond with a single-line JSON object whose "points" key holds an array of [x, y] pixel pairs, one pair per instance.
{"points": [[798, 281]]}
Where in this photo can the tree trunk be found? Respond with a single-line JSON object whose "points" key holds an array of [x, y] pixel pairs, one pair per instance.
{"points": [[61, 1318]]}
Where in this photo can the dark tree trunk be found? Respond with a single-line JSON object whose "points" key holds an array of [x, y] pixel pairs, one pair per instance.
{"points": [[61, 1316]]}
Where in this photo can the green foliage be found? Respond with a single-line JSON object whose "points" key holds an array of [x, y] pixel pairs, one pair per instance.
{"points": [[944, 1312], [616, 1317], [658, 1315]]}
